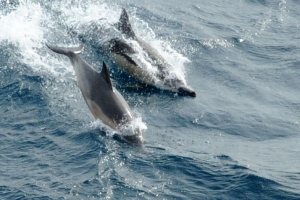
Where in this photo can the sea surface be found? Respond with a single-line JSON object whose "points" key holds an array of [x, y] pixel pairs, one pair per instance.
{"points": [[238, 139]]}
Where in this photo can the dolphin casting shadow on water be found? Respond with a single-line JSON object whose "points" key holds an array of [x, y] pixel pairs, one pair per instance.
{"points": [[103, 100], [124, 55]]}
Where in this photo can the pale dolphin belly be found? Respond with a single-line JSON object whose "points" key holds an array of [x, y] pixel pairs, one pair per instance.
{"points": [[136, 71]]}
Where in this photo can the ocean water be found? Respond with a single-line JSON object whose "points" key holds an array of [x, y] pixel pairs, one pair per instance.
{"points": [[238, 139]]}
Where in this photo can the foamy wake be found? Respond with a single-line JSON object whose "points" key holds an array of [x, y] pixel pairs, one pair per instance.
{"points": [[125, 130], [28, 28], [21, 28], [176, 60]]}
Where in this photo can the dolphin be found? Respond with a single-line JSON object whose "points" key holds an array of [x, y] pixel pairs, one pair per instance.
{"points": [[125, 56], [103, 100]]}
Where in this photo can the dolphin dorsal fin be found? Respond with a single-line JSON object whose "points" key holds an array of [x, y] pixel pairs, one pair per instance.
{"points": [[124, 24], [105, 75]]}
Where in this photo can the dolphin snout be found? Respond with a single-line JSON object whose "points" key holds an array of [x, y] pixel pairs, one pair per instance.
{"points": [[187, 91]]}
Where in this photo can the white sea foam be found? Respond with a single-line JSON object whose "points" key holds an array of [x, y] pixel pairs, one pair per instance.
{"points": [[25, 29], [176, 60], [125, 130], [21, 28], [129, 129]]}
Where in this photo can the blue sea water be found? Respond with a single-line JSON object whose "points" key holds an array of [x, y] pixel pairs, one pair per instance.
{"points": [[238, 139]]}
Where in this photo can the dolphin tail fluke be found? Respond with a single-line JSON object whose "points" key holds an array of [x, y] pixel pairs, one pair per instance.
{"points": [[66, 50]]}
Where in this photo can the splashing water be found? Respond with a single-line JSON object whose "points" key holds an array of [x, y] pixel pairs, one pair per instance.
{"points": [[30, 25], [125, 130]]}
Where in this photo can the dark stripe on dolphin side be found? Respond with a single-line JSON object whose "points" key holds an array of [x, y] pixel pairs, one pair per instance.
{"points": [[117, 45], [129, 59]]}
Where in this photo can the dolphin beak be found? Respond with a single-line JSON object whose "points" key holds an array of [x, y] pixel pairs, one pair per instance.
{"points": [[186, 91]]}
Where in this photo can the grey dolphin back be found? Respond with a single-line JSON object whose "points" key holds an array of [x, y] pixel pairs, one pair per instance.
{"points": [[104, 101], [119, 46], [69, 51], [124, 25]]}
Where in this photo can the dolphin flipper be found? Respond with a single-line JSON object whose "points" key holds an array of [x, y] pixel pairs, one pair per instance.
{"points": [[66, 50], [124, 25]]}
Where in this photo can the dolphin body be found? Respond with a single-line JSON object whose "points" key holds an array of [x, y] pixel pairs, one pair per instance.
{"points": [[103, 100], [123, 54]]}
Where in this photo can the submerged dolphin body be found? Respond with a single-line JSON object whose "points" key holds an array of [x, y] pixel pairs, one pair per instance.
{"points": [[126, 57], [103, 100]]}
